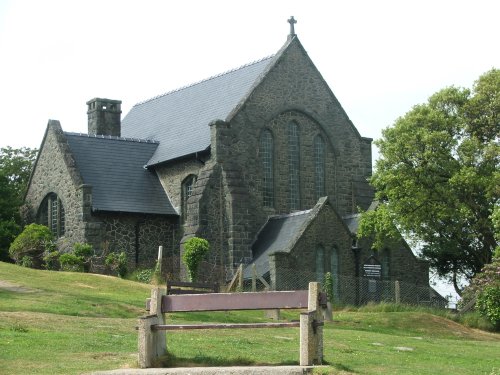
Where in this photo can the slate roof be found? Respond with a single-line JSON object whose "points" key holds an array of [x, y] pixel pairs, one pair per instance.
{"points": [[278, 234], [115, 169], [179, 119]]}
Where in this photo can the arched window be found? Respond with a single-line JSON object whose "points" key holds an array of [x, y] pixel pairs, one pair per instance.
{"points": [[385, 260], [320, 263], [294, 166], [319, 166], [335, 270], [186, 192], [51, 214], [266, 153]]}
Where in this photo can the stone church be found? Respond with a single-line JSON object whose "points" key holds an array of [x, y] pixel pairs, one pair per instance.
{"points": [[262, 161]]}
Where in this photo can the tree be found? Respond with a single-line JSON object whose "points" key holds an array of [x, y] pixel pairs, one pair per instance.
{"points": [[438, 181], [15, 169]]}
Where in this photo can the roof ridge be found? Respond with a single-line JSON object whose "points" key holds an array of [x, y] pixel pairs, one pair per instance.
{"points": [[291, 214], [100, 136], [203, 80]]}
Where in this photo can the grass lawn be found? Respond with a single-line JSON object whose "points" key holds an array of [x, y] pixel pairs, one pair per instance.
{"points": [[70, 323]]}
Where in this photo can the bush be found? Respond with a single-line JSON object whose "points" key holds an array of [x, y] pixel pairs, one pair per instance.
{"points": [[485, 287], [78, 260], [31, 244], [85, 252], [71, 262], [144, 276], [117, 263], [51, 260], [194, 250], [488, 304], [328, 286]]}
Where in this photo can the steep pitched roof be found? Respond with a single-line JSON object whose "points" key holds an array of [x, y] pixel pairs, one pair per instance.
{"points": [[184, 114], [114, 167], [278, 234]]}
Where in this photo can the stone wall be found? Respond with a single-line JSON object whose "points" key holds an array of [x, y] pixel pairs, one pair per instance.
{"points": [[293, 90], [138, 235], [55, 172]]}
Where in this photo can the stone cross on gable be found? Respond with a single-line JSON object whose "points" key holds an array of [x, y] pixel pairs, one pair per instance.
{"points": [[292, 22]]}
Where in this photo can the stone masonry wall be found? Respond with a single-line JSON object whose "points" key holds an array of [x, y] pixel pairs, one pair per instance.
{"points": [[140, 236], [56, 172], [293, 90]]}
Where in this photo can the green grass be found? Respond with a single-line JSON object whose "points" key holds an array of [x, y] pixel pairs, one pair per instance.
{"points": [[69, 323]]}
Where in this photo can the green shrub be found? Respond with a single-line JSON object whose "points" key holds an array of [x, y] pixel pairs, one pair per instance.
{"points": [[26, 261], [51, 260], [488, 304], [194, 250], [485, 287], [117, 262], [144, 276], [85, 252], [328, 286], [71, 262], [31, 244]]}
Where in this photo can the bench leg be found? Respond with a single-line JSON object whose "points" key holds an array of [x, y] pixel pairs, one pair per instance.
{"points": [[160, 337], [146, 341], [152, 344], [311, 330]]}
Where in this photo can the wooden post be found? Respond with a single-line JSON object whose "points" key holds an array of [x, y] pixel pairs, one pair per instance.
{"points": [[254, 278], [397, 291], [240, 277], [159, 337], [146, 343], [311, 329]]}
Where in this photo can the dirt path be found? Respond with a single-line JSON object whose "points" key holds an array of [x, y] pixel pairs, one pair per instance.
{"points": [[6, 285]]}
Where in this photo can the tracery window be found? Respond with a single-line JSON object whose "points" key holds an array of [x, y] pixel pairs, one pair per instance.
{"points": [[335, 270], [294, 166], [385, 263], [186, 192], [320, 263], [319, 166], [266, 153], [51, 214]]}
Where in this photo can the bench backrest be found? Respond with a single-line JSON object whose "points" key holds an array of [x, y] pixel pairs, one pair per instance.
{"points": [[237, 301], [182, 287]]}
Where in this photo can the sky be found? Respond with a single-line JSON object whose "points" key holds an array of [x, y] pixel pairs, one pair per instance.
{"points": [[379, 58]]}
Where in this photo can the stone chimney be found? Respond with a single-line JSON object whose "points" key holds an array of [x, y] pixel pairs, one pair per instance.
{"points": [[104, 117]]}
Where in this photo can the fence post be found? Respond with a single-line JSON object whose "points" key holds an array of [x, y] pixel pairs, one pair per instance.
{"points": [[311, 329], [240, 277], [397, 291], [254, 278]]}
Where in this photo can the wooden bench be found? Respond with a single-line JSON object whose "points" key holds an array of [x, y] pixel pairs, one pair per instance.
{"points": [[152, 328], [183, 287]]}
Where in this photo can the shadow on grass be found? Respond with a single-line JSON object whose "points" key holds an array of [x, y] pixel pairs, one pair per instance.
{"points": [[171, 360]]}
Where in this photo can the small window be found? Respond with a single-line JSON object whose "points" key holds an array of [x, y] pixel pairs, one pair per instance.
{"points": [[51, 214], [186, 192]]}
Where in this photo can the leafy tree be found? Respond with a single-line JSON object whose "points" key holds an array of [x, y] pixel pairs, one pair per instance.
{"points": [[195, 249], [15, 169], [438, 180]]}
